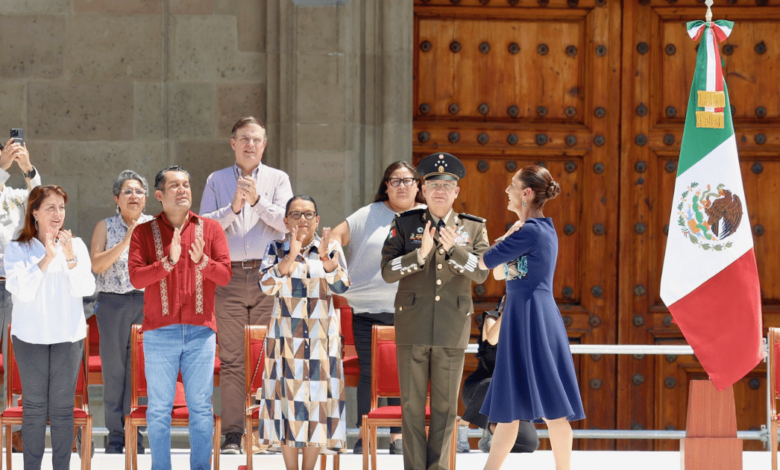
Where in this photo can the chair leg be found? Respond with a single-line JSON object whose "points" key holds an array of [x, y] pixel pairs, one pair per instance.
{"points": [[248, 448], [130, 447], [773, 439], [86, 444], [217, 434], [373, 447], [8, 446], [454, 445], [364, 437], [323, 461], [336, 462]]}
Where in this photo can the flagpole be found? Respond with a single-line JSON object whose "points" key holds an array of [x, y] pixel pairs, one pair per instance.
{"points": [[708, 15]]}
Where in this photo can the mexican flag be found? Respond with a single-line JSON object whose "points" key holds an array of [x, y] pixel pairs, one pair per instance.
{"points": [[710, 279]]}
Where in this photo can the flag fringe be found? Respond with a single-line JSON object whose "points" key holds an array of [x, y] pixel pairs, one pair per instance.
{"points": [[709, 120], [711, 99]]}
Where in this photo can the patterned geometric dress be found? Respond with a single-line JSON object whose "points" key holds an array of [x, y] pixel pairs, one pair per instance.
{"points": [[302, 402]]}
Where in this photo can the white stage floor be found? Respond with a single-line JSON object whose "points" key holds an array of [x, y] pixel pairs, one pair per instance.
{"points": [[581, 460]]}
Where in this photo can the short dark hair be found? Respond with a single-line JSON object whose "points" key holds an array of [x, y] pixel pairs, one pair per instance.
{"points": [[243, 122], [303, 197], [159, 179], [381, 192]]}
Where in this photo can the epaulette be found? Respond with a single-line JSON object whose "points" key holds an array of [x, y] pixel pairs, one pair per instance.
{"points": [[472, 217], [412, 211]]}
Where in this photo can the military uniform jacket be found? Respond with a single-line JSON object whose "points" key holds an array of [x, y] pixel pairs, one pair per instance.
{"points": [[433, 305]]}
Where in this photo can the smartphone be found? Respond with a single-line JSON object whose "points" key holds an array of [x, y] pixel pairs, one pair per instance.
{"points": [[17, 135]]}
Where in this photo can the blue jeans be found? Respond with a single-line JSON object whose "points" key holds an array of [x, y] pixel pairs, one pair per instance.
{"points": [[166, 350]]}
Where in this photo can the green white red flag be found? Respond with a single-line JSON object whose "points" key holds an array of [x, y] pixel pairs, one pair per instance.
{"points": [[710, 279]]}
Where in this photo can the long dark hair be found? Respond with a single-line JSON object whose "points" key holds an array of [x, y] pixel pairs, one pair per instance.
{"points": [[539, 179], [37, 195], [381, 193]]}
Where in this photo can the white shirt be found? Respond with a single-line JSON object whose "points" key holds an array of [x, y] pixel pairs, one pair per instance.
{"points": [[13, 203], [48, 304], [249, 232]]}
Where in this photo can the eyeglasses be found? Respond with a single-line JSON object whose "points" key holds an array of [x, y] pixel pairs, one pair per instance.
{"points": [[295, 215], [395, 182], [247, 141], [130, 192], [437, 185]]}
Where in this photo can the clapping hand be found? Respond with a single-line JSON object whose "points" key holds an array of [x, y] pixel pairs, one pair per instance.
{"points": [[246, 184], [447, 237], [328, 263], [65, 237], [196, 250], [296, 241], [427, 240], [49, 242], [175, 252], [130, 229], [238, 199]]}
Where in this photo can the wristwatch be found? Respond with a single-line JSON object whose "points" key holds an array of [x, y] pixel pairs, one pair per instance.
{"points": [[31, 174]]}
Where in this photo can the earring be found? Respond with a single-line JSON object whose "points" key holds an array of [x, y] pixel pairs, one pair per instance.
{"points": [[117, 209], [36, 224], [524, 204]]}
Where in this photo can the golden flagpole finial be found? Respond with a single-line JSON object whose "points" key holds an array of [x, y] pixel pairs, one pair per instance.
{"points": [[708, 16]]}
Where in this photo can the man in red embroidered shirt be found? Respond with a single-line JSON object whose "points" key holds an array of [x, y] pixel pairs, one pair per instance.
{"points": [[179, 258]]}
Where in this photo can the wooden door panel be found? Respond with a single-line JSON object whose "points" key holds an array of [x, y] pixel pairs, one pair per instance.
{"points": [[554, 100], [658, 63]]}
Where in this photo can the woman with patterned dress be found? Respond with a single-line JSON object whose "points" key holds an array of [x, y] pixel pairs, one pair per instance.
{"points": [[119, 304], [302, 402], [534, 377]]}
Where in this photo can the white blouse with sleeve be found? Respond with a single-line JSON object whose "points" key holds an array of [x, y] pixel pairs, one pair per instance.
{"points": [[48, 306]]}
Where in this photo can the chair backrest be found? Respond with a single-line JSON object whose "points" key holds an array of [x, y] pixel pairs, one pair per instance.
{"points": [[94, 335], [774, 358], [13, 385], [138, 371], [138, 367], [346, 325], [384, 366], [254, 352]]}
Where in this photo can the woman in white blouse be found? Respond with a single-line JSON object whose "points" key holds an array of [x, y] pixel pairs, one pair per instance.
{"points": [[48, 273]]}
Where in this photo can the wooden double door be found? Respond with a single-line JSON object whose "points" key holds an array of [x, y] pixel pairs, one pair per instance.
{"points": [[596, 91]]}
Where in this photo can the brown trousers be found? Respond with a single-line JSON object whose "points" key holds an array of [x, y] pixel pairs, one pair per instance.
{"points": [[443, 367], [238, 304]]}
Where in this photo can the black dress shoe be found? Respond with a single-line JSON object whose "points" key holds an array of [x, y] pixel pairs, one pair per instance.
{"points": [[114, 447], [397, 447], [232, 444], [358, 449]]}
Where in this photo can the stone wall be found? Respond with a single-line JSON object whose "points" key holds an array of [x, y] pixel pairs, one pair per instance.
{"points": [[104, 85]]}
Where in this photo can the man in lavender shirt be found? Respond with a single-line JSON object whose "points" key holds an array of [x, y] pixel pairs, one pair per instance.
{"points": [[248, 199]]}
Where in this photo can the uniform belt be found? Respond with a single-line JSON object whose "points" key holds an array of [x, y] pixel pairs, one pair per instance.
{"points": [[247, 264]]}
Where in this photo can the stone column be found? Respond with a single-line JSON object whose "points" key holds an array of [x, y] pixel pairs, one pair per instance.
{"points": [[339, 96]]}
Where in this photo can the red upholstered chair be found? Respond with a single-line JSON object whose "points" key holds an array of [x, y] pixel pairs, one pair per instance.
{"points": [[180, 415], [254, 343], [95, 364], [349, 353], [384, 383], [774, 361], [12, 415]]}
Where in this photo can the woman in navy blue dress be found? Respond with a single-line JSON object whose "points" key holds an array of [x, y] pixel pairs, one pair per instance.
{"points": [[534, 378]]}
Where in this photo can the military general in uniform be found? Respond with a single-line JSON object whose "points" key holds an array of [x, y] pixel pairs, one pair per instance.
{"points": [[434, 254]]}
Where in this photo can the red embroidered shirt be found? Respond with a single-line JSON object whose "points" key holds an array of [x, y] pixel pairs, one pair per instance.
{"points": [[182, 293]]}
